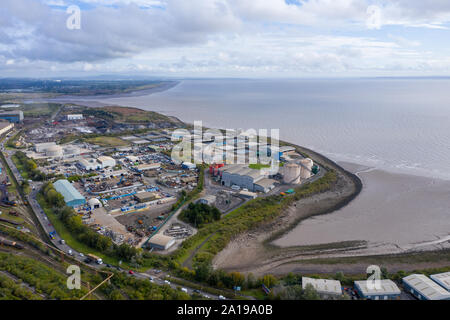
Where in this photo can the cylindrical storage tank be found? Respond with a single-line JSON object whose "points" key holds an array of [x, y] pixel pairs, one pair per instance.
{"points": [[72, 150], [307, 165], [292, 173], [54, 151]]}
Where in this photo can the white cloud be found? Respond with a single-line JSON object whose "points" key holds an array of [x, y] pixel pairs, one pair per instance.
{"points": [[222, 36]]}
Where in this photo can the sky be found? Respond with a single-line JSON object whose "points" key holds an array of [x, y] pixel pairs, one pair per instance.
{"points": [[225, 38]]}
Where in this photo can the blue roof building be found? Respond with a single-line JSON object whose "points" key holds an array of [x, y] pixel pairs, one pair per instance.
{"points": [[72, 197], [12, 116]]}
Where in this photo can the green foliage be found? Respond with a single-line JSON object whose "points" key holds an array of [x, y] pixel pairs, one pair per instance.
{"points": [[43, 278], [81, 232], [28, 167], [246, 217], [199, 214]]}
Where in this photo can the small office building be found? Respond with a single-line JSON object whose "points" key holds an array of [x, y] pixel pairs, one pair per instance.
{"points": [[324, 287], [387, 290], [423, 288]]}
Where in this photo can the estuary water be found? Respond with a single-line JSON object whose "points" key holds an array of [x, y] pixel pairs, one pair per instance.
{"points": [[400, 128], [399, 125]]}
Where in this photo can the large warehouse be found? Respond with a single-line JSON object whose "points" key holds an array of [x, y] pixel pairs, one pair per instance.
{"points": [[423, 288], [324, 287], [442, 279], [72, 197], [12, 116], [386, 291], [245, 177], [161, 242]]}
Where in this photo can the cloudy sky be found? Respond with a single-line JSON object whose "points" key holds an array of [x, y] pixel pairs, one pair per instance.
{"points": [[225, 38]]}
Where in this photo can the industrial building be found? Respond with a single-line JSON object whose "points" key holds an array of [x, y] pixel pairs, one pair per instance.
{"points": [[106, 162], [189, 165], [325, 287], [41, 147], [443, 279], [89, 164], [387, 290], [246, 178], [5, 126], [148, 166], [74, 117], [145, 196], [72, 197], [12, 116], [161, 242], [423, 288]]}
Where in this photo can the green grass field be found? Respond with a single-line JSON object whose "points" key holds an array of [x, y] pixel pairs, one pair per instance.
{"points": [[108, 141]]}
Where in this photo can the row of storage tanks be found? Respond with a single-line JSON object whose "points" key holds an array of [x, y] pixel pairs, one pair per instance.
{"points": [[294, 173], [58, 151]]}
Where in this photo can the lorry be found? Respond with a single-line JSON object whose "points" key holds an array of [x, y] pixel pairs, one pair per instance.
{"points": [[95, 258]]}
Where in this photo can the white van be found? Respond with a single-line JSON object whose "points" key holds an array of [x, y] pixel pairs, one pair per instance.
{"points": [[235, 187], [184, 290]]}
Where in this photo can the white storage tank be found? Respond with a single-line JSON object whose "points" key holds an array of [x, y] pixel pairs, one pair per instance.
{"points": [[292, 173], [54, 151], [306, 165]]}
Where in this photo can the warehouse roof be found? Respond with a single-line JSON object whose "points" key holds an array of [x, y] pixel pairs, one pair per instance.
{"points": [[161, 240], [266, 183], [426, 287], [324, 286], [68, 191], [387, 287], [443, 279], [105, 158]]}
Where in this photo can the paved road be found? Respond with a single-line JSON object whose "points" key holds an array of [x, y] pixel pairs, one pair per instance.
{"points": [[48, 227]]}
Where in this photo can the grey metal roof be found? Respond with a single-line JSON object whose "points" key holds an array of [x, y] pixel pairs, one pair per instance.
{"points": [[426, 287], [387, 287], [67, 190]]}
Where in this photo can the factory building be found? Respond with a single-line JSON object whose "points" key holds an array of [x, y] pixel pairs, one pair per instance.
{"points": [[5, 126], [423, 288], [145, 196], [12, 116], [245, 178], [324, 287], [148, 166], [189, 165], [72, 197], [41, 147], [106, 161], [161, 242], [74, 117], [89, 164], [443, 279], [387, 290]]}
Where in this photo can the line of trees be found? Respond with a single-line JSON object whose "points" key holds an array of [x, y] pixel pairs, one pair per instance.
{"points": [[81, 232], [29, 167]]}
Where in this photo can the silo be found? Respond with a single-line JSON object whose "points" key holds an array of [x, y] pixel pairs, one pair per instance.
{"points": [[306, 165], [54, 151], [291, 173]]}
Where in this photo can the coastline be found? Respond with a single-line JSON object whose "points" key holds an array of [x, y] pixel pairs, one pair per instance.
{"points": [[268, 254]]}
